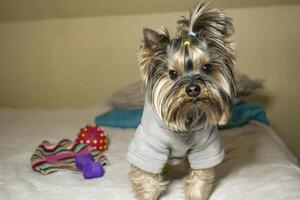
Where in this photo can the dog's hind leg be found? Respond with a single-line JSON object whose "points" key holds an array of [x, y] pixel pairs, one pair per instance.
{"points": [[199, 184], [146, 186]]}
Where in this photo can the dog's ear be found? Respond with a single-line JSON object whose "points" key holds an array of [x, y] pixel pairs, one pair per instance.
{"points": [[151, 38]]}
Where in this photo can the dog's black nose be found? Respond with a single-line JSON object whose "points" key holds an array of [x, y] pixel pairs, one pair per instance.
{"points": [[193, 90]]}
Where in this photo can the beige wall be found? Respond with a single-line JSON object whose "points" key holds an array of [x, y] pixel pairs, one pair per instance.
{"points": [[77, 62], [268, 46]]}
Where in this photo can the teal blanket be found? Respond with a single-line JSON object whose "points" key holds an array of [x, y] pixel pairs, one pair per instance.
{"points": [[242, 113]]}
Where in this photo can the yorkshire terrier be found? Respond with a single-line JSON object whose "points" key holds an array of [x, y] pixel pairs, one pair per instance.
{"points": [[190, 86]]}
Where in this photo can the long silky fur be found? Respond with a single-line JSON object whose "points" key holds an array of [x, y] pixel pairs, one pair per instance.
{"points": [[212, 41], [146, 186], [199, 184]]}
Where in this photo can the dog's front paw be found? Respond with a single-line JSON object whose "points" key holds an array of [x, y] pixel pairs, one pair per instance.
{"points": [[146, 186], [199, 184]]}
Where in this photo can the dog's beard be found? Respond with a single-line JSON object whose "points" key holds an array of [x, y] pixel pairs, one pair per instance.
{"points": [[181, 113]]}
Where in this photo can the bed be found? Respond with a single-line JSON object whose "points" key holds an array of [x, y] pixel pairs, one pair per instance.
{"points": [[257, 165]]}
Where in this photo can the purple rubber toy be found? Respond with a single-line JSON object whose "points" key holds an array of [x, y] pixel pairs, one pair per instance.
{"points": [[89, 168]]}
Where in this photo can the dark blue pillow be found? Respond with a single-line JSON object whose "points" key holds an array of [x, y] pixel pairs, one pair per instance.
{"points": [[120, 118]]}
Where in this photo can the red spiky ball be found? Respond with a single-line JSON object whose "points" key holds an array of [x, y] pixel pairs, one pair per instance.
{"points": [[93, 136]]}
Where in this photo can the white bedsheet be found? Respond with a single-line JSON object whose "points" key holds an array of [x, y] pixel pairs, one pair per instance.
{"points": [[257, 165]]}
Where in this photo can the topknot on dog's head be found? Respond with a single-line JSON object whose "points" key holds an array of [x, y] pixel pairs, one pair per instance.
{"points": [[206, 22], [210, 25]]}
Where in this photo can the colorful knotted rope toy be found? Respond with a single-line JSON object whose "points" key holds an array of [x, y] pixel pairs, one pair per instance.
{"points": [[49, 158]]}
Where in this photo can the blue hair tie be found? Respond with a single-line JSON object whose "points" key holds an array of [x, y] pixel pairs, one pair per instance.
{"points": [[192, 34]]}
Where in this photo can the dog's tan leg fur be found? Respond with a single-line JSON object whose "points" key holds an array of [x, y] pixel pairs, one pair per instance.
{"points": [[199, 184], [146, 186]]}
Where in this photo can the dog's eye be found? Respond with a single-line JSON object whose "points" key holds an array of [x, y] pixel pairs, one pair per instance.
{"points": [[173, 74], [207, 68]]}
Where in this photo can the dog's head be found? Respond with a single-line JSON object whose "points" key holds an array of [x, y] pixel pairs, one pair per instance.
{"points": [[190, 78]]}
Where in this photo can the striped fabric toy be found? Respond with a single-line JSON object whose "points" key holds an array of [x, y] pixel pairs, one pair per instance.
{"points": [[49, 158]]}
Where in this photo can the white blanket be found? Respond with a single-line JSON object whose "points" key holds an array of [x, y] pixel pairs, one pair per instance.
{"points": [[257, 164]]}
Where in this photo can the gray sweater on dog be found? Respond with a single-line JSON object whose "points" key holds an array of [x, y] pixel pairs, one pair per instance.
{"points": [[153, 145]]}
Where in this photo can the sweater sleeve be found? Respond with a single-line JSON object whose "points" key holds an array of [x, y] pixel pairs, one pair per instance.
{"points": [[147, 154]]}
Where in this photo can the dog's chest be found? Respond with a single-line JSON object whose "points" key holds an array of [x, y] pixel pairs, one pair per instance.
{"points": [[181, 144], [178, 144]]}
